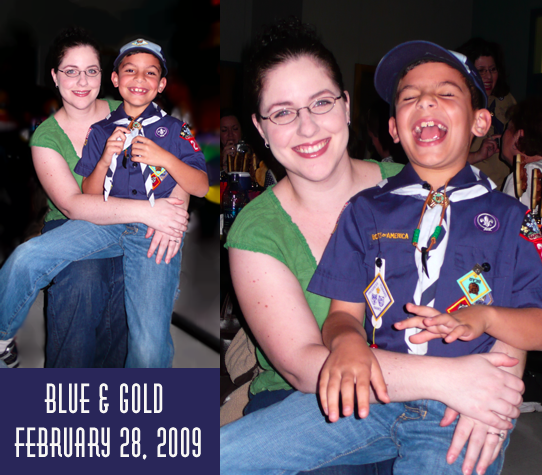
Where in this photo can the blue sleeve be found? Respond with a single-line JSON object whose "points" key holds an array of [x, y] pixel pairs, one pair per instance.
{"points": [[341, 274], [188, 149], [92, 150]]}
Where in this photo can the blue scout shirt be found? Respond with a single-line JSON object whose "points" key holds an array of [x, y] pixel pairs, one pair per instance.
{"points": [[169, 133], [377, 223]]}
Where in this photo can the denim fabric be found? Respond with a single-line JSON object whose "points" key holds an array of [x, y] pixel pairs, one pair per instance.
{"points": [[86, 319], [266, 398], [292, 435], [150, 288]]}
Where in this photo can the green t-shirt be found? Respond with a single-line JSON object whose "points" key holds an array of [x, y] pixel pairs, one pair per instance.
{"points": [[50, 135], [264, 226]]}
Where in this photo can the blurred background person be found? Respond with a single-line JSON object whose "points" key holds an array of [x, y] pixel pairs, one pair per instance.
{"points": [[488, 59]]}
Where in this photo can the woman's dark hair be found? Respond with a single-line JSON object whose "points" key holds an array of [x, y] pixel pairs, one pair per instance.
{"points": [[286, 40], [476, 47], [527, 116], [70, 38]]}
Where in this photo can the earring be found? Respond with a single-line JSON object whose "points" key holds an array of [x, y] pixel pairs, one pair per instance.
{"points": [[348, 123], [266, 145], [56, 85]]}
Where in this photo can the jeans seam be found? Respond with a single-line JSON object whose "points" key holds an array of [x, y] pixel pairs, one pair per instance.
{"points": [[347, 453]]}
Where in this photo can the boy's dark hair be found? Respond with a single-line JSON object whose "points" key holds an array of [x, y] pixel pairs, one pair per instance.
{"points": [[286, 40], [477, 47], [476, 99], [70, 38], [527, 116]]}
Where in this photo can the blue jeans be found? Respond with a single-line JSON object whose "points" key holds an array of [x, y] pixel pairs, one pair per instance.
{"points": [[266, 398], [293, 435], [150, 288], [86, 319]]}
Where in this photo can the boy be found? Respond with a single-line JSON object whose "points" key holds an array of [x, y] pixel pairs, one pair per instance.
{"points": [[436, 234], [168, 155]]}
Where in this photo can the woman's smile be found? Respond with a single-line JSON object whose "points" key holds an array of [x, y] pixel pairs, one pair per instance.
{"points": [[312, 150]]}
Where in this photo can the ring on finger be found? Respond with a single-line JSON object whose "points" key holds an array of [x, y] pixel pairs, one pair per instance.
{"points": [[500, 435]]}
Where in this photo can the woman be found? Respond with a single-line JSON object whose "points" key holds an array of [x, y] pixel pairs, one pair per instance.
{"points": [[86, 321], [488, 60], [302, 111], [230, 134]]}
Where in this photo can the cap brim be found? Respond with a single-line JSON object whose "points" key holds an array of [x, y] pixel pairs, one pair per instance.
{"points": [[396, 60], [139, 50]]}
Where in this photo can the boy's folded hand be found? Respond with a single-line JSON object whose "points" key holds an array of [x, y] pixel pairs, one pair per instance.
{"points": [[465, 324], [114, 145], [348, 372]]}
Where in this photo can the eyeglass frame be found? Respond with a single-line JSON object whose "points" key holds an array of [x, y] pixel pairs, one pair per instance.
{"points": [[80, 71], [483, 71], [335, 99]]}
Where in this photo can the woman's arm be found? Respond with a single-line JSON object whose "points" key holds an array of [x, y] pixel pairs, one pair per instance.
{"points": [[277, 312], [61, 187]]}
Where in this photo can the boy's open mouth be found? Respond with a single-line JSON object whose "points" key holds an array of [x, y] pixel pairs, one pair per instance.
{"points": [[427, 131], [138, 90]]}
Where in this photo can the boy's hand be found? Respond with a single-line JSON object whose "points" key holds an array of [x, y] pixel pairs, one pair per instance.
{"points": [[465, 324], [114, 144], [484, 444], [144, 150], [164, 242], [348, 368]]}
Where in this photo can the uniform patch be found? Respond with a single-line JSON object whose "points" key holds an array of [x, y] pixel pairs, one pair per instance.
{"points": [[340, 214], [474, 286], [390, 236], [86, 138], [486, 222], [187, 135], [461, 303], [161, 132], [157, 176], [378, 298], [530, 232]]}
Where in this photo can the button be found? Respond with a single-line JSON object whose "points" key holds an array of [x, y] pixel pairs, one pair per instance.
{"points": [[378, 262], [486, 267], [426, 186], [134, 192], [134, 165]]}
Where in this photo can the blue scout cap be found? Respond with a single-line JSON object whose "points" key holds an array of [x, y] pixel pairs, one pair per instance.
{"points": [[142, 46], [396, 60]]}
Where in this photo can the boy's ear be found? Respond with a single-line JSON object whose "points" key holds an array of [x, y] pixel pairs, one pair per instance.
{"points": [[115, 79], [482, 122], [259, 127], [393, 130], [162, 84]]}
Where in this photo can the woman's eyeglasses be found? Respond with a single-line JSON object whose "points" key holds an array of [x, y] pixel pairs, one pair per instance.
{"points": [[484, 71], [287, 116], [73, 73]]}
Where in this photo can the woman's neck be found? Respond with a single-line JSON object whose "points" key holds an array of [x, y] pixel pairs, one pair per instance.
{"points": [[72, 115]]}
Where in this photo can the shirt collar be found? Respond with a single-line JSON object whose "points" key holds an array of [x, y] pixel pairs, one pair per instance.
{"points": [[151, 110], [467, 176]]}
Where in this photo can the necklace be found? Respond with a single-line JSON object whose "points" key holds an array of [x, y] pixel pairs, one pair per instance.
{"points": [[433, 199]]}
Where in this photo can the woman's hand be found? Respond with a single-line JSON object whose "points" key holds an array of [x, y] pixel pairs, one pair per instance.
{"points": [[465, 324], [167, 216], [488, 148], [487, 392], [484, 444], [349, 369], [164, 242], [230, 149]]}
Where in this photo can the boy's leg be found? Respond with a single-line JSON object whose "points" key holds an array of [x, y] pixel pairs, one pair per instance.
{"points": [[424, 444], [150, 291], [36, 262], [293, 435]]}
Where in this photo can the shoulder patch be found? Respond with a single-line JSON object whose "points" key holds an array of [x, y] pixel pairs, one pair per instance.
{"points": [[340, 214], [186, 134], [530, 232]]}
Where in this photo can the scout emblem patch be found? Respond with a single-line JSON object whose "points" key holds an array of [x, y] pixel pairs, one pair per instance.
{"points": [[187, 135], [378, 298], [474, 286], [486, 222]]}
